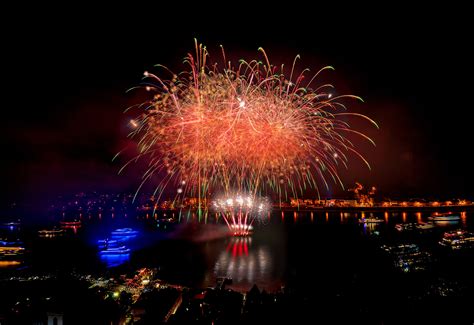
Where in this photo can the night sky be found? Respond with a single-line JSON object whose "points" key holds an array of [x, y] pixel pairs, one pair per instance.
{"points": [[67, 76]]}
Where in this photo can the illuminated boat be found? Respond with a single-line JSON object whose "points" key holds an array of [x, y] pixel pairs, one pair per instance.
{"points": [[12, 224], [166, 221], [50, 233], [425, 226], [371, 220], [445, 217], [408, 257], [166, 224], [122, 250], [10, 251], [108, 243], [405, 227], [70, 224], [457, 239], [124, 232], [10, 243]]}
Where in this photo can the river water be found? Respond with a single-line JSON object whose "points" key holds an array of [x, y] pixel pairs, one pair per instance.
{"points": [[328, 252]]}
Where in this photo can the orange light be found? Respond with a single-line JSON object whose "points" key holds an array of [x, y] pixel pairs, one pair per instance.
{"points": [[9, 263], [418, 217]]}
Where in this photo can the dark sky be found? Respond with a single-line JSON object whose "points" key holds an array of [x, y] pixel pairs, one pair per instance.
{"points": [[67, 75]]}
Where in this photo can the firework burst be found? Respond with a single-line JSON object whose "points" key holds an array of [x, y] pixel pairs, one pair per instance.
{"points": [[241, 211], [249, 128]]}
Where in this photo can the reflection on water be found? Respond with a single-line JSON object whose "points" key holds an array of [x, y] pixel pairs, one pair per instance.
{"points": [[463, 219], [284, 249], [249, 261], [114, 260], [446, 223], [418, 217], [6, 264], [371, 228], [242, 262]]}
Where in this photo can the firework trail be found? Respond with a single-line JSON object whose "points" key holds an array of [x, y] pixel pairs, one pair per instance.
{"points": [[249, 128]]}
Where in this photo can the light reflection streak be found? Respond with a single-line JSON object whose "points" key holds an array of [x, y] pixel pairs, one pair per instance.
{"points": [[239, 262]]}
